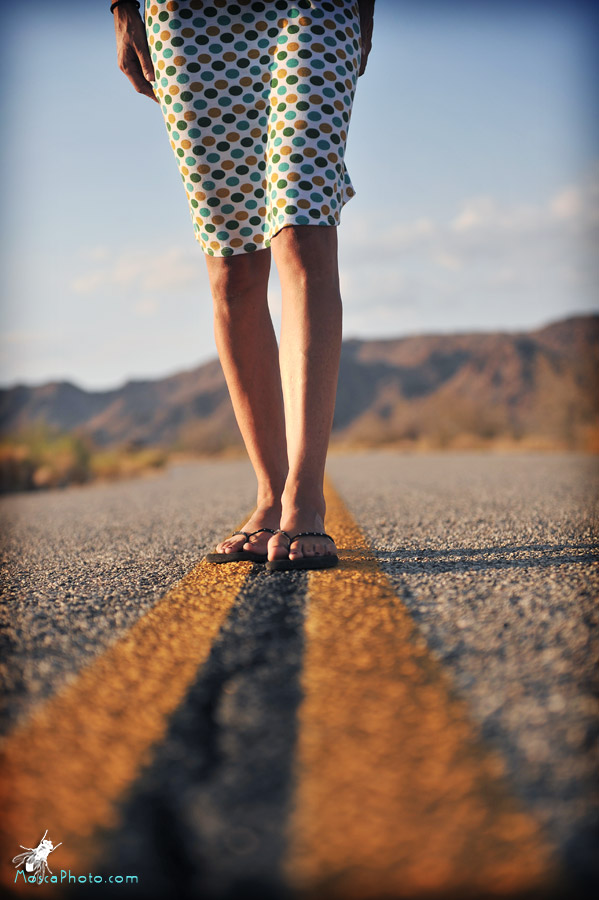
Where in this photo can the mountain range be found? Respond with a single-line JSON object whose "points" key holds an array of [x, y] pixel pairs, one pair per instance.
{"points": [[436, 389]]}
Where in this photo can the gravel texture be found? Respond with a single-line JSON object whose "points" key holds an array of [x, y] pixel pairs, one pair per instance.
{"points": [[495, 557]]}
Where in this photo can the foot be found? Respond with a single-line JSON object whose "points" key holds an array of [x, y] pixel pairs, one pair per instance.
{"points": [[293, 520], [264, 517]]}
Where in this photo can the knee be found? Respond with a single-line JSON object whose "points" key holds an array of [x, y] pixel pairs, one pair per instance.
{"points": [[236, 283], [307, 254]]}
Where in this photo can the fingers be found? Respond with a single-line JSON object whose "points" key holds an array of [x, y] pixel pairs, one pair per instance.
{"points": [[365, 47], [132, 70], [147, 68], [143, 54], [132, 67], [366, 29], [133, 51]]}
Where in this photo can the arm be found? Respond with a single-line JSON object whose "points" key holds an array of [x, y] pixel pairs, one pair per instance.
{"points": [[133, 53], [366, 25]]}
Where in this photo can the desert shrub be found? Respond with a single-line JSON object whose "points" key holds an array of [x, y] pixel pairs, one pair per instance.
{"points": [[41, 456], [44, 457]]}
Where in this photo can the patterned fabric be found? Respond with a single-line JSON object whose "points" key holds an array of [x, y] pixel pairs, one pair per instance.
{"points": [[257, 100]]}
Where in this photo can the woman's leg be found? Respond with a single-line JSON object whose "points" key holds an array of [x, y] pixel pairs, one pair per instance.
{"points": [[248, 352], [310, 349]]}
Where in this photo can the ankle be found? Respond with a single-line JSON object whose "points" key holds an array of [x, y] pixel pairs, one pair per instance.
{"points": [[269, 499], [296, 499]]}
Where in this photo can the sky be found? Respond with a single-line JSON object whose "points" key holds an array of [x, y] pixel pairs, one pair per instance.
{"points": [[473, 150]]}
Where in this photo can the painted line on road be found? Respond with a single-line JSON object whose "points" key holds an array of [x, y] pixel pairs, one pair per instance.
{"points": [[396, 794], [67, 766]]}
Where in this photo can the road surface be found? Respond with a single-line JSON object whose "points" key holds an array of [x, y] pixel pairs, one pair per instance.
{"points": [[420, 721]]}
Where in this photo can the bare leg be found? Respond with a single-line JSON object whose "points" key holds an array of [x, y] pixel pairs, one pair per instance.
{"points": [[311, 329], [247, 347]]}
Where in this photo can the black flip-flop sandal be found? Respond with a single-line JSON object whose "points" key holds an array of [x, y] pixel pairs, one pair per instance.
{"points": [[306, 562], [241, 555]]}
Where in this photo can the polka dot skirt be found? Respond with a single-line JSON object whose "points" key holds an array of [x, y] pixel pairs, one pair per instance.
{"points": [[257, 100]]}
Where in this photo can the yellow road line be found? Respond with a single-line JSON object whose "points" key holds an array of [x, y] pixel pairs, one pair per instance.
{"points": [[65, 768], [395, 794]]}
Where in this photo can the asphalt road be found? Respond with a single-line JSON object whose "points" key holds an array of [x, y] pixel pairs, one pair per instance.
{"points": [[260, 713]]}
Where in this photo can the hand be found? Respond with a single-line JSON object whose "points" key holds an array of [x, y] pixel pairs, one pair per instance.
{"points": [[132, 49], [366, 22], [366, 47]]}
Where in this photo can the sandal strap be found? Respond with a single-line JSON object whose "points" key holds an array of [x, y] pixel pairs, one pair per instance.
{"points": [[310, 534], [240, 532], [286, 533], [271, 530]]}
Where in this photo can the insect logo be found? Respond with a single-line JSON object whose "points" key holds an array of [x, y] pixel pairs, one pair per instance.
{"points": [[36, 858]]}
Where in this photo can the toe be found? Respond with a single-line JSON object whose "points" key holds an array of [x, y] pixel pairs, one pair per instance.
{"points": [[324, 548], [277, 547], [255, 546], [229, 545], [299, 549]]}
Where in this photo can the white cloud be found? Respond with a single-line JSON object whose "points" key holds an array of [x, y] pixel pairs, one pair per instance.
{"points": [[517, 252], [477, 212], [26, 338], [151, 270], [528, 261], [566, 204], [89, 283], [146, 307], [482, 226], [98, 253], [448, 261], [489, 265], [406, 235]]}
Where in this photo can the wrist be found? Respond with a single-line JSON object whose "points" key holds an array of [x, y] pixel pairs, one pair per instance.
{"points": [[117, 7]]}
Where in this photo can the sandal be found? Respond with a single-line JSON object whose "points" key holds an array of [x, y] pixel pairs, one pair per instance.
{"points": [[241, 555], [305, 562]]}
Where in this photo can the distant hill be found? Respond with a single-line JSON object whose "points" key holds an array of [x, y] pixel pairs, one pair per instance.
{"points": [[437, 390]]}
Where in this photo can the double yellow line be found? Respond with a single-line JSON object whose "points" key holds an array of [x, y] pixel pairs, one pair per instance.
{"points": [[394, 793], [68, 765]]}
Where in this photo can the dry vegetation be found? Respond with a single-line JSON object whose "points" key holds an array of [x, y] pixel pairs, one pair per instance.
{"points": [[43, 457], [479, 392]]}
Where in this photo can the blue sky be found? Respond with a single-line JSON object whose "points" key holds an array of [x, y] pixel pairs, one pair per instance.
{"points": [[472, 149]]}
